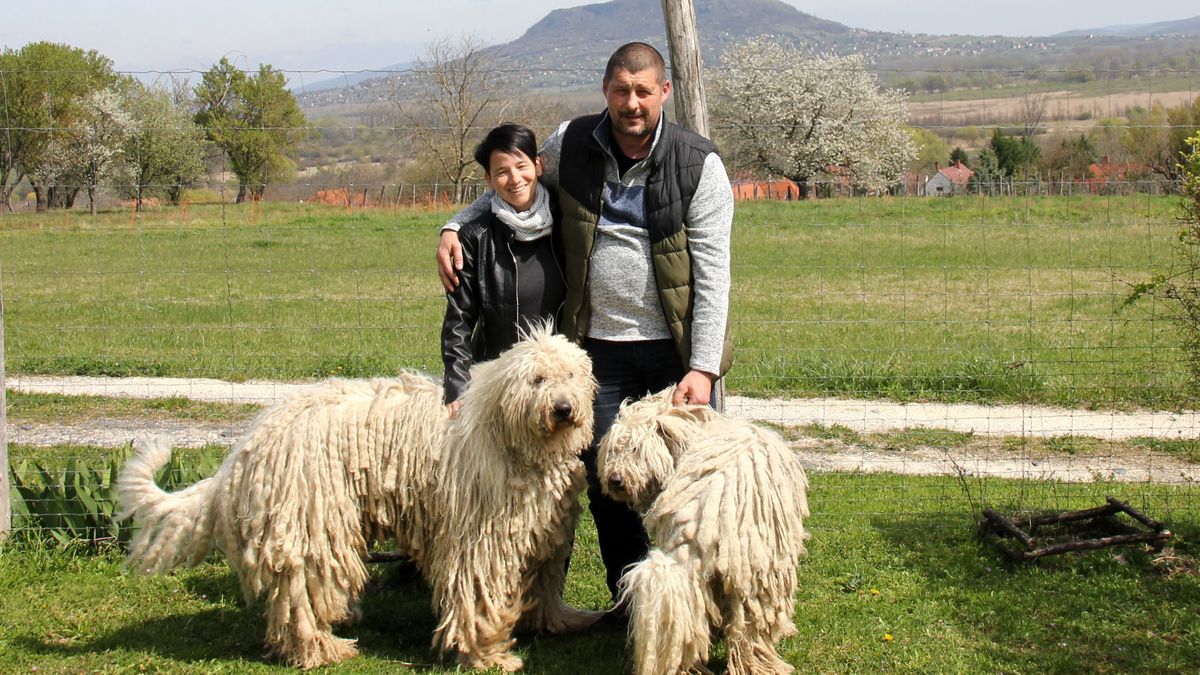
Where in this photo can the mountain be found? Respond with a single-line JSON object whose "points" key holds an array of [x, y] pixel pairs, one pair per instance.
{"points": [[349, 78], [567, 49], [1188, 27], [583, 37]]}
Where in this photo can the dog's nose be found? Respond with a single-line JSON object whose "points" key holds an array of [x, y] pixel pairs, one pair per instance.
{"points": [[562, 411], [616, 482]]}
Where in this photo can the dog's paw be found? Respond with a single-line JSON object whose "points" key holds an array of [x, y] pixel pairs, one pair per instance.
{"points": [[504, 661], [572, 620]]}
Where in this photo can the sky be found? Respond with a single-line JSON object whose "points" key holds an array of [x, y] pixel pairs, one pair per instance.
{"points": [[363, 34]]}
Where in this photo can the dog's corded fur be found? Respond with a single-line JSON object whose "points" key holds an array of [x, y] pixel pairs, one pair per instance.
{"points": [[724, 501], [484, 504]]}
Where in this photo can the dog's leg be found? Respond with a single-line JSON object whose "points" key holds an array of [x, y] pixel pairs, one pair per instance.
{"points": [[298, 631], [751, 627], [546, 611], [753, 654], [478, 614], [668, 613]]}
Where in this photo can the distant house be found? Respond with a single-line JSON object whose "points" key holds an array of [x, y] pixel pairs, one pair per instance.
{"points": [[951, 180], [748, 188], [1105, 175]]}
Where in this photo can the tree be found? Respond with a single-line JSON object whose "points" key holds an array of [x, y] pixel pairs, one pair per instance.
{"points": [[798, 115], [44, 85], [164, 152], [1016, 157], [1072, 157], [254, 120], [1108, 138], [1148, 140], [959, 156], [1177, 287], [455, 99], [1158, 136], [931, 151], [985, 174], [85, 151]]}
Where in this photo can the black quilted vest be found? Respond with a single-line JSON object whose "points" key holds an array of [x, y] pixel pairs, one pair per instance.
{"points": [[675, 166]]}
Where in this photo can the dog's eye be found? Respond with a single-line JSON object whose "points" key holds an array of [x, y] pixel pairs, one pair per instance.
{"points": [[538, 380]]}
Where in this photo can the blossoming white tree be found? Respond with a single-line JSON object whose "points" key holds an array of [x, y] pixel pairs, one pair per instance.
{"points": [[799, 115], [89, 148]]}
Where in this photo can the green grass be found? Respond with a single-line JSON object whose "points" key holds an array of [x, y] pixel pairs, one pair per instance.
{"points": [[69, 409], [877, 566], [972, 298]]}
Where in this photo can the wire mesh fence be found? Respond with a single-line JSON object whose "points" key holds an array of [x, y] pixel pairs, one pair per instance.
{"points": [[952, 341]]}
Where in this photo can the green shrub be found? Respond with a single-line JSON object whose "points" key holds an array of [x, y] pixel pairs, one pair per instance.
{"points": [[77, 503], [1179, 286]]}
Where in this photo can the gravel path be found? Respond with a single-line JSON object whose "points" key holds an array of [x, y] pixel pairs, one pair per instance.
{"points": [[859, 415]]}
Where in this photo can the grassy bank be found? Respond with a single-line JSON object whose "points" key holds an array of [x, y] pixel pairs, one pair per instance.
{"points": [[972, 298], [895, 580]]}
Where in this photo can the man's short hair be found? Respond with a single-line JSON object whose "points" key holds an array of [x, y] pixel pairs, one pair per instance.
{"points": [[636, 57], [509, 139]]}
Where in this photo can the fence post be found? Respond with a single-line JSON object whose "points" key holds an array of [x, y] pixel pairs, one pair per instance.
{"points": [[5, 506]]}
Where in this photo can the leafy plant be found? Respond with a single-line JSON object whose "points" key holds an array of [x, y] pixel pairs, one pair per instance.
{"points": [[1179, 286], [77, 503]]}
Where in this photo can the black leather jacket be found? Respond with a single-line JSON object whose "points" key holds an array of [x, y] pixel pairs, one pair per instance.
{"points": [[481, 314]]}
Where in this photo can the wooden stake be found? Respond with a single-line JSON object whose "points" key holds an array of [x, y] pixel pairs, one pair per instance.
{"points": [[686, 66], [5, 509], [691, 108]]}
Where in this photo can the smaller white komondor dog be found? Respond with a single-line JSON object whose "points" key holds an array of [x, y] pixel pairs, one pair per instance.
{"points": [[724, 501], [484, 504]]}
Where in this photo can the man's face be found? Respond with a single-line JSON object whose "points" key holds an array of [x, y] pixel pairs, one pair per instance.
{"points": [[635, 101]]}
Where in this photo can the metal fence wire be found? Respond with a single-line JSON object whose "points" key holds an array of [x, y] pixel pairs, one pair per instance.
{"points": [[952, 342]]}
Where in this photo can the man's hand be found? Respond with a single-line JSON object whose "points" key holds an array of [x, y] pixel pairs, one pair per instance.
{"points": [[449, 259], [695, 388], [453, 408]]}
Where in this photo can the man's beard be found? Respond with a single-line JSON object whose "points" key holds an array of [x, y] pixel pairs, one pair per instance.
{"points": [[637, 131]]}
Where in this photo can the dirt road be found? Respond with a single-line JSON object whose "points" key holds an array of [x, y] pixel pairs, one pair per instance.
{"points": [[862, 416]]}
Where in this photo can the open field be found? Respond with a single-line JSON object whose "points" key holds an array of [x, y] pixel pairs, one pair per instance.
{"points": [[1146, 83], [973, 298], [890, 584], [1081, 108]]}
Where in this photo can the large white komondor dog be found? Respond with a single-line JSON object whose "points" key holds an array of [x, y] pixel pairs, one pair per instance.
{"points": [[726, 502], [485, 504]]}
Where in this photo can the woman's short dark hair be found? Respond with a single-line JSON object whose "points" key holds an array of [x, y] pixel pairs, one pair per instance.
{"points": [[509, 139]]}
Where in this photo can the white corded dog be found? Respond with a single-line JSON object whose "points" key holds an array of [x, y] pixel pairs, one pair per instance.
{"points": [[485, 504], [724, 501]]}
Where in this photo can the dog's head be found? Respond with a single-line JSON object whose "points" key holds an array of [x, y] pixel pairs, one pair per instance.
{"points": [[540, 392], [639, 453]]}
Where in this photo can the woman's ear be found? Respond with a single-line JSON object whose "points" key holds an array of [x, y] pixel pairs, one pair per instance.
{"points": [[537, 163]]}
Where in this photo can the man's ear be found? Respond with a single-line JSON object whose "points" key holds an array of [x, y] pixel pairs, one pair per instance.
{"points": [[666, 88]]}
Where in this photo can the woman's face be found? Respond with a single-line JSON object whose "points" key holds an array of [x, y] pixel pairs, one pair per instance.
{"points": [[514, 178]]}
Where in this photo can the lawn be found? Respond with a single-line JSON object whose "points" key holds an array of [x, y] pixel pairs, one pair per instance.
{"points": [[968, 298], [895, 580]]}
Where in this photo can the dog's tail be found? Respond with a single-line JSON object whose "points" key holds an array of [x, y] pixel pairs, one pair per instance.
{"points": [[176, 528], [668, 613]]}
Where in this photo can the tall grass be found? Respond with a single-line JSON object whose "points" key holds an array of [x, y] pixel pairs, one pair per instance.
{"points": [[967, 298]]}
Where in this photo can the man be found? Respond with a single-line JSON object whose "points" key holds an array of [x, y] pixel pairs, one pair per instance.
{"points": [[646, 213]]}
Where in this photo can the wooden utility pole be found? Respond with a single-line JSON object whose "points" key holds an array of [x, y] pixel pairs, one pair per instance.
{"points": [[691, 108], [5, 507], [686, 66]]}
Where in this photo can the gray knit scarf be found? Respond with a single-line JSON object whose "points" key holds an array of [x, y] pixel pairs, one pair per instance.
{"points": [[526, 225]]}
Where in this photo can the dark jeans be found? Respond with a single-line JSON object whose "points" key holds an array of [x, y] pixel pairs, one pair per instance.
{"points": [[624, 370]]}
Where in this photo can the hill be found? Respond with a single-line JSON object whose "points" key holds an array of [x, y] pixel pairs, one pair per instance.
{"points": [[567, 49], [1186, 27]]}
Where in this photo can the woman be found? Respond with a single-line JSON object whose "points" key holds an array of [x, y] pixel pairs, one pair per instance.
{"points": [[512, 261]]}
